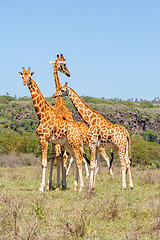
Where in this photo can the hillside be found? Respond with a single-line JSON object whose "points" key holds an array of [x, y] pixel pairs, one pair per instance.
{"points": [[18, 122], [18, 115]]}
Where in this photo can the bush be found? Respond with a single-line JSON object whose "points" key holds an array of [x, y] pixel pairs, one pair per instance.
{"points": [[150, 135], [146, 104], [144, 152], [6, 99], [14, 142]]}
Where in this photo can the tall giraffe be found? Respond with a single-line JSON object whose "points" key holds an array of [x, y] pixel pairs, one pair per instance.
{"points": [[53, 129], [101, 133], [60, 108]]}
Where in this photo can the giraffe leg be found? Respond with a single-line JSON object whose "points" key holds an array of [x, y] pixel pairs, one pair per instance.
{"points": [[128, 166], [44, 148], [80, 177], [92, 166], [106, 158], [78, 160], [124, 178], [123, 167], [65, 158], [130, 177], [58, 173], [64, 182], [50, 175], [70, 163], [129, 172], [98, 161], [52, 159], [76, 179], [94, 179]]}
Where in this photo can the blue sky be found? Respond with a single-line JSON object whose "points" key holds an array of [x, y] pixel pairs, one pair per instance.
{"points": [[112, 48]]}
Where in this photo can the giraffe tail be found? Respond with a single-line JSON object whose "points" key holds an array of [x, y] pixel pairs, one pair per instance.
{"points": [[82, 151], [87, 160], [112, 157]]}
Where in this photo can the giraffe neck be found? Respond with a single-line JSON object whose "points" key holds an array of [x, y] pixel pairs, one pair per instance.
{"points": [[59, 100], [87, 113], [56, 78], [40, 104]]}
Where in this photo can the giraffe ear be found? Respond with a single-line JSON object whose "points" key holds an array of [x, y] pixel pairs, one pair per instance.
{"points": [[51, 62], [20, 73], [32, 73]]}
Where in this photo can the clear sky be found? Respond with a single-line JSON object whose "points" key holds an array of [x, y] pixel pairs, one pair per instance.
{"points": [[112, 47]]}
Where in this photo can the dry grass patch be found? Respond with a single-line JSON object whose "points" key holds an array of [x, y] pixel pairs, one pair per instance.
{"points": [[106, 213]]}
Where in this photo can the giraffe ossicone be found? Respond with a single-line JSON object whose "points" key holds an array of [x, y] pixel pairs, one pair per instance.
{"points": [[51, 62]]}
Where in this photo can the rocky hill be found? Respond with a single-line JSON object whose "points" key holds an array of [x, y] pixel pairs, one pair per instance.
{"points": [[18, 115]]}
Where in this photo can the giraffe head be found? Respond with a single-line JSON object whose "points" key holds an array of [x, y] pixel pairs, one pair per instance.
{"points": [[26, 75], [60, 65], [62, 92]]}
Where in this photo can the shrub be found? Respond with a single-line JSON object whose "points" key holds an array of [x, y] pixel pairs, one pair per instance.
{"points": [[146, 104], [150, 135], [14, 142], [144, 152]]}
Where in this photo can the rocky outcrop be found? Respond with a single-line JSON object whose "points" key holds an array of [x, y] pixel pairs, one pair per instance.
{"points": [[135, 122]]}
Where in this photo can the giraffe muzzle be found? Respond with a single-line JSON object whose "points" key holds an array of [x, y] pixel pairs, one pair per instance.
{"points": [[68, 74]]}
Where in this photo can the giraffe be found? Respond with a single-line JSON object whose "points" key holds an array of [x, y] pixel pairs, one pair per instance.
{"points": [[53, 129], [60, 107], [101, 133], [62, 110]]}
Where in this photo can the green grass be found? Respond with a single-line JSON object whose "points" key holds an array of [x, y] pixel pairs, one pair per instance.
{"points": [[107, 213]]}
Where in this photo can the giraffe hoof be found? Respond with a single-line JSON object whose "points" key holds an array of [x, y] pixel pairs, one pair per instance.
{"points": [[80, 189], [57, 189], [41, 189], [64, 187], [91, 189], [49, 187], [131, 187], [124, 188]]}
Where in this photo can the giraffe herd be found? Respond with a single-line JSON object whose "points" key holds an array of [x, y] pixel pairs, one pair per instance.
{"points": [[68, 136]]}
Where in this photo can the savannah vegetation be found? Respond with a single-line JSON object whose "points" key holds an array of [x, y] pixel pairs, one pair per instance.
{"points": [[18, 122], [106, 213]]}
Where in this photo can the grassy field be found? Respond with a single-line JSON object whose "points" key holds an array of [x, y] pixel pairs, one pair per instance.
{"points": [[107, 213]]}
